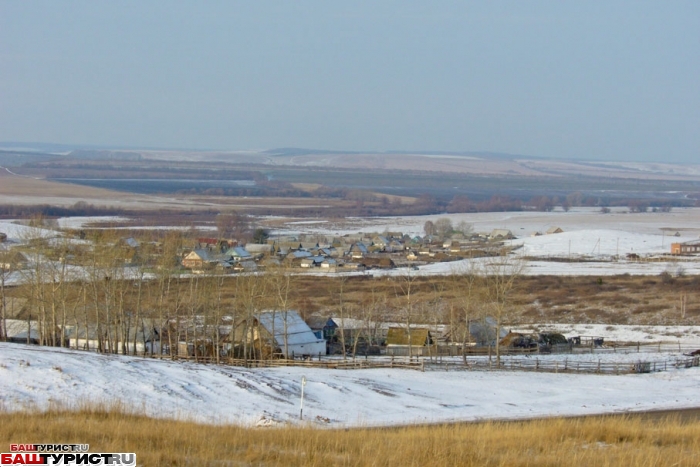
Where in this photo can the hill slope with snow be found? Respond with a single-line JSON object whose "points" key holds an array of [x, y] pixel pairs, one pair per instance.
{"points": [[34, 377]]}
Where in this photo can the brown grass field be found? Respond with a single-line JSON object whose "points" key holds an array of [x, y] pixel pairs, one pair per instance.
{"points": [[638, 440], [640, 300], [23, 190], [12, 185]]}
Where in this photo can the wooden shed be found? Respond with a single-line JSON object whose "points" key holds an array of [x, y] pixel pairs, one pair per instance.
{"points": [[404, 341]]}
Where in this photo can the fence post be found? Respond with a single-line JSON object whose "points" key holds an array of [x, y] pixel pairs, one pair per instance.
{"points": [[422, 365], [598, 365], [637, 346]]}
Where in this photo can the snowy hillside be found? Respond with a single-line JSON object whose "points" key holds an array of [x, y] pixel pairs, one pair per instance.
{"points": [[38, 377]]}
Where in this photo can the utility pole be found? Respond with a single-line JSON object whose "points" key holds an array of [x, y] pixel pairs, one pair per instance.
{"points": [[301, 406]]}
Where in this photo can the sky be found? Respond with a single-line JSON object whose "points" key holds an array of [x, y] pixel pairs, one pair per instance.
{"points": [[613, 80]]}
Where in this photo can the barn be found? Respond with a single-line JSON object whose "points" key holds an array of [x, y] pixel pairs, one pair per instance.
{"points": [[402, 341], [290, 335]]}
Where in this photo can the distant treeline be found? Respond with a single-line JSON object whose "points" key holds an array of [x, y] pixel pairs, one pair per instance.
{"points": [[80, 208], [359, 203]]}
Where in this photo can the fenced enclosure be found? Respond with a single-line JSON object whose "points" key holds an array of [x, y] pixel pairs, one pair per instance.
{"points": [[533, 363], [611, 359], [536, 364]]}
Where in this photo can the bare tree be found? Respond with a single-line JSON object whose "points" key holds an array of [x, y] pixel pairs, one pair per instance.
{"points": [[467, 283], [370, 314], [465, 227], [443, 227], [282, 285], [500, 276], [251, 294], [8, 264], [405, 288], [342, 308], [232, 224], [429, 228]]}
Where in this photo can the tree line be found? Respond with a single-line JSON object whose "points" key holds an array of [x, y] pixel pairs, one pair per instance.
{"points": [[124, 300]]}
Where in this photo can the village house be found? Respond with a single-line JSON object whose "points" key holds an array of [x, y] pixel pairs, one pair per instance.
{"points": [[329, 264], [13, 259], [308, 262], [501, 234], [238, 253], [197, 259], [322, 327], [358, 250]]}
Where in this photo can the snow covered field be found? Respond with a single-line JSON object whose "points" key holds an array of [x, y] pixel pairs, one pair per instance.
{"points": [[600, 241], [39, 377], [522, 223]]}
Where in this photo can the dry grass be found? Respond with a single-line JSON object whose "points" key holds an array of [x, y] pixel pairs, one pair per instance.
{"points": [[596, 441], [26, 186]]}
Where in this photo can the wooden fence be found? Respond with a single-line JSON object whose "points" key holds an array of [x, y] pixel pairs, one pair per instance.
{"points": [[588, 347], [534, 364], [322, 362], [567, 366]]}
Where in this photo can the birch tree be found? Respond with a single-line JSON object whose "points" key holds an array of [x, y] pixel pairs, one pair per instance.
{"points": [[500, 277]]}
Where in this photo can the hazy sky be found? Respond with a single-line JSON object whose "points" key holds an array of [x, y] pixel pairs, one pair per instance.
{"points": [[574, 79]]}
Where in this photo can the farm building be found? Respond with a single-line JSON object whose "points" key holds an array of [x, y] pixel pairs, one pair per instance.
{"points": [[402, 341], [282, 332], [113, 339], [22, 331], [685, 248]]}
